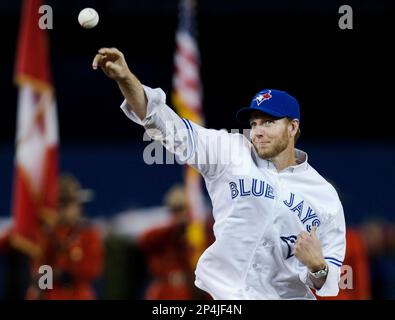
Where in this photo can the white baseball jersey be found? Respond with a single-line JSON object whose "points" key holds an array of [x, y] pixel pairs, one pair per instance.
{"points": [[258, 211]]}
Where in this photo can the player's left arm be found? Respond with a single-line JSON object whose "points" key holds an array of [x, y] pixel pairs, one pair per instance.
{"points": [[308, 250], [323, 247]]}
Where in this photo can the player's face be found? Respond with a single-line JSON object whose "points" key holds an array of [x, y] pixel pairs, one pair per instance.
{"points": [[180, 213], [269, 135], [71, 213]]}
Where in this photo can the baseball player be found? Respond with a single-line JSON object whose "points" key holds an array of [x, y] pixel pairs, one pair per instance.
{"points": [[279, 225]]}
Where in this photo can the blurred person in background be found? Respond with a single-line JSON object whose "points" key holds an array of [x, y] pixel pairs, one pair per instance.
{"points": [[379, 239], [168, 253], [72, 247]]}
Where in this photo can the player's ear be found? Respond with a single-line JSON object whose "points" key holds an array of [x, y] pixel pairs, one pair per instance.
{"points": [[293, 127], [296, 125]]}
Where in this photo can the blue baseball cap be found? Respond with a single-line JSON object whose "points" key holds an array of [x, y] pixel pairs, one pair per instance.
{"points": [[276, 103]]}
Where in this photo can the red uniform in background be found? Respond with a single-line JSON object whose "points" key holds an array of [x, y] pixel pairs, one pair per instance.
{"points": [[169, 263], [72, 248], [356, 257], [75, 254], [169, 255]]}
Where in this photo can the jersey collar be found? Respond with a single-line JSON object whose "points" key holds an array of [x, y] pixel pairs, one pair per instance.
{"points": [[300, 156]]}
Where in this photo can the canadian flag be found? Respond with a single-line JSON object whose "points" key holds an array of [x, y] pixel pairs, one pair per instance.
{"points": [[36, 160]]}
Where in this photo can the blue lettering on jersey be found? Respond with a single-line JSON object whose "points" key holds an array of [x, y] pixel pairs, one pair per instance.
{"points": [[233, 189], [261, 188], [269, 192], [257, 188], [309, 215], [291, 201], [243, 193], [298, 208]]}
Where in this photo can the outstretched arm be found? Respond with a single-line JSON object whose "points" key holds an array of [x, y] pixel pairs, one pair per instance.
{"points": [[190, 143], [113, 64]]}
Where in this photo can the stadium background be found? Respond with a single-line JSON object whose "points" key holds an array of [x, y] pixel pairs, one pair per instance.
{"points": [[339, 77]]}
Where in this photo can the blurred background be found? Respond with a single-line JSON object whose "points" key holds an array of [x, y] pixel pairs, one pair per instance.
{"points": [[343, 80]]}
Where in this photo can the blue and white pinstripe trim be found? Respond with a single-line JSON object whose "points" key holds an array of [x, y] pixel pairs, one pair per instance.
{"points": [[334, 261], [191, 136]]}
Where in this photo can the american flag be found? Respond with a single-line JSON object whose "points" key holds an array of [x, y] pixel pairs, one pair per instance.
{"points": [[187, 95], [187, 99]]}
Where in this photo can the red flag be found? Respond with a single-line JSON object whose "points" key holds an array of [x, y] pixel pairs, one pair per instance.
{"points": [[36, 160]]}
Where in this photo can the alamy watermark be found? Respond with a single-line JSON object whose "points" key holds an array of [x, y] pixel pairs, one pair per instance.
{"points": [[346, 277], [346, 20], [45, 281], [184, 145], [46, 18]]}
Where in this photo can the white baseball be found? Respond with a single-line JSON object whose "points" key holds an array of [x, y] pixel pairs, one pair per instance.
{"points": [[88, 18]]}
